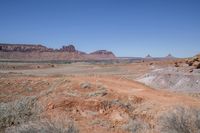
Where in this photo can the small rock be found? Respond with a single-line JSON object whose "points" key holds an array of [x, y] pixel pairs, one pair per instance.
{"points": [[191, 70]]}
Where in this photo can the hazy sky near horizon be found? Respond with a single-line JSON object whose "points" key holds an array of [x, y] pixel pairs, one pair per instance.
{"points": [[126, 27]]}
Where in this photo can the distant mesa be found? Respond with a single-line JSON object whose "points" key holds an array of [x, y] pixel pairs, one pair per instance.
{"points": [[169, 56], [148, 56], [103, 52], [40, 52], [69, 48], [22, 47], [33, 48]]}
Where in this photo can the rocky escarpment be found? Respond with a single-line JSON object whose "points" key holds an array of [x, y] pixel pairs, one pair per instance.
{"points": [[33, 48], [194, 62], [23, 48], [69, 48], [40, 52]]}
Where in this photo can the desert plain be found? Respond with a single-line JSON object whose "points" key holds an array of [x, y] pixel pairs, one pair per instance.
{"points": [[116, 96]]}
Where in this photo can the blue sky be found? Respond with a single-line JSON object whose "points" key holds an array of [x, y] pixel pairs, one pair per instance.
{"points": [[126, 27]]}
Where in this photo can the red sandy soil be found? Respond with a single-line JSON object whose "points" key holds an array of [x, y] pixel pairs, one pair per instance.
{"points": [[63, 97]]}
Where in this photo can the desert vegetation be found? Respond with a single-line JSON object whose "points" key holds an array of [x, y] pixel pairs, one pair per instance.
{"points": [[180, 120], [100, 97]]}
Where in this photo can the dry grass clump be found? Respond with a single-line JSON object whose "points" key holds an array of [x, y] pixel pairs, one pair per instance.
{"points": [[17, 112], [180, 120], [101, 87], [73, 93], [101, 91], [176, 120], [44, 126], [136, 126], [100, 122], [98, 93], [85, 85], [196, 95], [124, 105], [22, 116]]}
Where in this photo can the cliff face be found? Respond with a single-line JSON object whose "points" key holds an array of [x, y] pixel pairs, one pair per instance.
{"points": [[33, 48], [69, 48], [22, 48], [40, 52], [40, 56]]}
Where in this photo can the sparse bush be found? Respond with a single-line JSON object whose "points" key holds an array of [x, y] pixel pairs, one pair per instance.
{"points": [[44, 126], [137, 99], [136, 126], [98, 93], [180, 120], [29, 89], [102, 91], [85, 85], [102, 87], [100, 122], [73, 93], [151, 63], [125, 105], [18, 112], [196, 95]]}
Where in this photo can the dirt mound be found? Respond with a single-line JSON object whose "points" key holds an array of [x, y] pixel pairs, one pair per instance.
{"points": [[172, 79]]}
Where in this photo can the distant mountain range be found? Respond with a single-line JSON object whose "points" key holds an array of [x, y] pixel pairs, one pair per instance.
{"points": [[40, 52]]}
